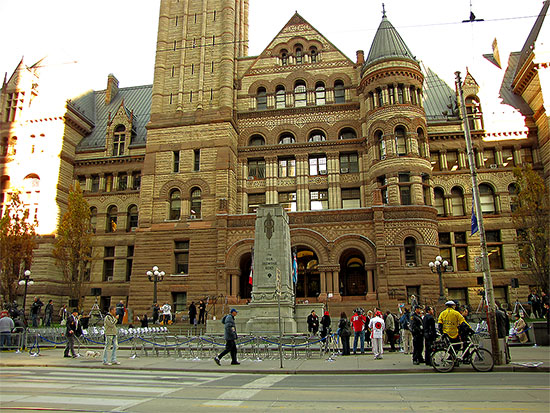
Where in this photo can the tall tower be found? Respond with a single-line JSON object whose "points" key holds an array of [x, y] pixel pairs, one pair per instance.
{"points": [[394, 121], [189, 177]]}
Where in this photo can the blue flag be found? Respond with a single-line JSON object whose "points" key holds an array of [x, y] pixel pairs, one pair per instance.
{"points": [[475, 227]]}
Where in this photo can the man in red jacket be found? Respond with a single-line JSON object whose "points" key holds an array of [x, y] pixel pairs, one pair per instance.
{"points": [[358, 321]]}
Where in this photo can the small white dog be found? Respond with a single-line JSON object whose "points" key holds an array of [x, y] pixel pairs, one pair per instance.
{"points": [[92, 354]]}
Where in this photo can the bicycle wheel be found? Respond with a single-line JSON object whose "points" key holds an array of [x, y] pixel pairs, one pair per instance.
{"points": [[443, 361], [482, 360]]}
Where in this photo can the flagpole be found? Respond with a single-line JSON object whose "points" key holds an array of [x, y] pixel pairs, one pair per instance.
{"points": [[487, 279]]}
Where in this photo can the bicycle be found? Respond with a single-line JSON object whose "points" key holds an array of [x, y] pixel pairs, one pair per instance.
{"points": [[481, 359]]}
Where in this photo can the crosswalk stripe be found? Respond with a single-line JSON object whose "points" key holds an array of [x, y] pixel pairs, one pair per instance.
{"points": [[236, 397], [66, 400]]}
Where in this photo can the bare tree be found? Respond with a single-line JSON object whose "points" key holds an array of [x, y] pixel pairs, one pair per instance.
{"points": [[73, 242], [17, 242], [531, 217]]}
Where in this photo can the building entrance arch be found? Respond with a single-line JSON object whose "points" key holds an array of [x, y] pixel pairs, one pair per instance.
{"points": [[309, 279], [353, 276], [245, 288]]}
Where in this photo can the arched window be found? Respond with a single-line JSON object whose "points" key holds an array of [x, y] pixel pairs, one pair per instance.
{"points": [[347, 133], [93, 219], [380, 144], [339, 92], [320, 94], [317, 136], [286, 138], [284, 57], [132, 218], [313, 54], [300, 94], [280, 97], [474, 113], [299, 55], [439, 201], [400, 141], [487, 199], [410, 251], [196, 203], [175, 204], [421, 142], [513, 193], [256, 140], [119, 140], [457, 201], [112, 212], [261, 99], [30, 195]]}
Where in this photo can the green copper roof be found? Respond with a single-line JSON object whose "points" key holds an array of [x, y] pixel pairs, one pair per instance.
{"points": [[387, 43]]}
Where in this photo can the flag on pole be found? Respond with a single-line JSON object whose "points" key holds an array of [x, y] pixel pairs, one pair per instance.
{"points": [[475, 226], [251, 269], [294, 268]]}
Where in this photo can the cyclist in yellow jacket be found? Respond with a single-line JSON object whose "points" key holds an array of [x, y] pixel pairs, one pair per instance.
{"points": [[449, 320]]}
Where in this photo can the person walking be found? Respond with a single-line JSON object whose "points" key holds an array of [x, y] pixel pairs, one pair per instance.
{"points": [[73, 329], [6, 327], [344, 327], [376, 326], [312, 323], [35, 310], [430, 334], [417, 332], [358, 322], [406, 336], [230, 335], [202, 311], [48, 312], [390, 330], [120, 312], [192, 313], [109, 324]]}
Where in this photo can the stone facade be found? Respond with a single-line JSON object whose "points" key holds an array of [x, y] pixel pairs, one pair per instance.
{"points": [[374, 179]]}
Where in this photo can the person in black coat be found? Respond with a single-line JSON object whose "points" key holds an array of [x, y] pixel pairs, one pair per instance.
{"points": [[418, 335], [430, 334], [202, 311], [73, 329], [344, 327], [312, 323], [192, 313]]}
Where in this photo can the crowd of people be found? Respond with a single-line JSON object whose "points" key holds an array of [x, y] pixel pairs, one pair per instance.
{"points": [[415, 330]]}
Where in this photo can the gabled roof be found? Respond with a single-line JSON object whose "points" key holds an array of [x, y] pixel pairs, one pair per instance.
{"points": [[529, 45], [387, 43], [92, 106]]}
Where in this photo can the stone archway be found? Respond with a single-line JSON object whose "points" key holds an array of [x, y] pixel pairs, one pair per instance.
{"points": [[353, 276], [309, 278], [245, 288]]}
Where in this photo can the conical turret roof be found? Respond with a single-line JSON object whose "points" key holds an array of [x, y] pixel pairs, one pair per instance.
{"points": [[387, 43]]}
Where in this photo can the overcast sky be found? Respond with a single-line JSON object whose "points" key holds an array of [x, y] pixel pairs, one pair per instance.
{"points": [[119, 36]]}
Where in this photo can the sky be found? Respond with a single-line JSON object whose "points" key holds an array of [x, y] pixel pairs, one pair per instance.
{"points": [[95, 38]]}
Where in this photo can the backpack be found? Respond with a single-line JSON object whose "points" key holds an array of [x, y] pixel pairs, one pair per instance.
{"points": [[223, 319]]}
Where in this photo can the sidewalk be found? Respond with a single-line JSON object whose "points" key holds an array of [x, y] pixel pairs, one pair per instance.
{"points": [[392, 363]]}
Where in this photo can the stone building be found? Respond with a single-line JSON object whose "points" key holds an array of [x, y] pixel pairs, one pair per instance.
{"points": [[367, 156]]}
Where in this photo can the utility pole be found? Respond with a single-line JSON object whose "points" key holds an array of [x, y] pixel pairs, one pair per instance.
{"points": [[487, 280]]}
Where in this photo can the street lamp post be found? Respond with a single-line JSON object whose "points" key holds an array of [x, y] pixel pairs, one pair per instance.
{"points": [[26, 281], [155, 276], [439, 266]]}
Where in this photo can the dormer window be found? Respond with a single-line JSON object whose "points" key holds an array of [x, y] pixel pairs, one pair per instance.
{"points": [[119, 140]]}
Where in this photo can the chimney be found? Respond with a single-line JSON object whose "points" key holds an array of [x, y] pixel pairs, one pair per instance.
{"points": [[360, 57], [112, 88]]}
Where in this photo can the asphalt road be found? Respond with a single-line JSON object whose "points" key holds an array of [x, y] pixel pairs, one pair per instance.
{"points": [[119, 390]]}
